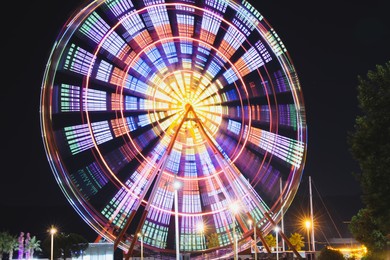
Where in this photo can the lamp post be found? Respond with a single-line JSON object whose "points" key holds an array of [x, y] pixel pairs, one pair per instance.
{"points": [[307, 223], [52, 231], [235, 243], [200, 229], [277, 242], [234, 208], [176, 187], [142, 245], [250, 222]]}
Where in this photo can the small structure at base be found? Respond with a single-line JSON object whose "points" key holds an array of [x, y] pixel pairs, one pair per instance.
{"points": [[99, 251]]}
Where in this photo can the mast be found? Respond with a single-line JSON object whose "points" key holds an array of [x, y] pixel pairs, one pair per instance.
{"points": [[282, 212], [311, 217]]}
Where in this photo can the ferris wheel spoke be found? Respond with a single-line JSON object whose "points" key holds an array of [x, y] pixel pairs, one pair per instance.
{"points": [[158, 171], [241, 187]]}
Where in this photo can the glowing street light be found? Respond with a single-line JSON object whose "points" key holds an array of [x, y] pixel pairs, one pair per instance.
{"points": [[250, 222], [308, 224], [200, 229], [277, 241], [177, 185], [52, 231], [142, 245], [234, 208]]}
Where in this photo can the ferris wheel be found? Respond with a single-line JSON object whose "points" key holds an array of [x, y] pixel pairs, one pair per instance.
{"points": [[173, 122]]}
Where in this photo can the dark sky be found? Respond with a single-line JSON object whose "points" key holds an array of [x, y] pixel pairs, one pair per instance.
{"points": [[330, 42]]}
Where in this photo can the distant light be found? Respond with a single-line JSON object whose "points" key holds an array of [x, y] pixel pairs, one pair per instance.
{"points": [[200, 227], [234, 207], [277, 229], [177, 185]]}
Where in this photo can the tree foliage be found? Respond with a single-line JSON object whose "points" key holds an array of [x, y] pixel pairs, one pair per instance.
{"points": [[8, 244], [34, 245], [370, 146], [66, 245], [212, 240], [270, 240], [297, 241]]}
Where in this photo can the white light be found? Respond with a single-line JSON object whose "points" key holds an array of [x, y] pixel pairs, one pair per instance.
{"points": [[307, 223], [200, 227], [53, 230], [177, 185], [250, 222], [234, 207]]}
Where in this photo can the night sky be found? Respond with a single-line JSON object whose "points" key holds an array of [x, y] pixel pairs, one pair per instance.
{"points": [[330, 42]]}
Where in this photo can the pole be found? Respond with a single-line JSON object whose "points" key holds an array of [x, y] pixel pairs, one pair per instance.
{"points": [[311, 217], [177, 226], [277, 243], [142, 247], [250, 222], [51, 246], [201, 242], [234, 208], [282, 212], [254, 234], [234, 241], [53, 230], [308, 238]]}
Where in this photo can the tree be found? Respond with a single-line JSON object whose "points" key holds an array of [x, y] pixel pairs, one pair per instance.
{"points": [[365, 228], [296, 241], [212, 240], [2, 241], [330, 254], [32, 246], [8, 244], [66, 245], [370, 147], [270, 240], [11, 245]]}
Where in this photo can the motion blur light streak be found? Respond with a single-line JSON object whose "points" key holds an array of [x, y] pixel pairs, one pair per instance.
{"points": [[137, 94]]}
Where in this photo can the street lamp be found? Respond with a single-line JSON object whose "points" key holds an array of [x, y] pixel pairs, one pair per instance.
{"points": [[200, 229], [234, 208], [277, 242], [307, 223], [52, 231], [250, 222], [142, 245], [176, 186]]}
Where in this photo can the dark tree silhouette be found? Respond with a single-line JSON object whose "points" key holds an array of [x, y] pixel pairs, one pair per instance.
{"points": [[370, 146]]}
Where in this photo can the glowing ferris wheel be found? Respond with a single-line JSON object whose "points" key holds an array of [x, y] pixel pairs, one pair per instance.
{"points": [[141, 95]]}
